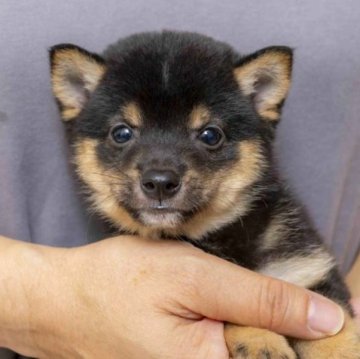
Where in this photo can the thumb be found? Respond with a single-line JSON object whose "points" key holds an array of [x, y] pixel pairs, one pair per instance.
{"points": [[228, 292]]}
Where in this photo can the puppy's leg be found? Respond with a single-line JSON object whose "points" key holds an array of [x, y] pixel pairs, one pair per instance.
{"points": [[345, 345], [254, 343]]}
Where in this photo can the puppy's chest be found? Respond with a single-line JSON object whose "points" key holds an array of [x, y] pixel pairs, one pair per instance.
{"points": [[304, 263], [234, 243], [239, 242]]}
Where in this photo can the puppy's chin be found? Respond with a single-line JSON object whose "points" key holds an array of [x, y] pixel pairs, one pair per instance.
{"points": [[161, 219]]}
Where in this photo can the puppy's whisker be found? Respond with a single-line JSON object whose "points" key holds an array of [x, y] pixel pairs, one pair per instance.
{"points": [[105, 173]]}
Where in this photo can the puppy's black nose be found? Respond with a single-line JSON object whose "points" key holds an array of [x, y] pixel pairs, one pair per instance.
{"points": [[160, 184]]}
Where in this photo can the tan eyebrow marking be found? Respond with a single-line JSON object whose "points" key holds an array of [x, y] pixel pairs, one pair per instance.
{"points": [[132, 114], [199, 117]]}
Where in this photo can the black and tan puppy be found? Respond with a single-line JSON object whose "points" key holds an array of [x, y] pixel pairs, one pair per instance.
{"points": [[172, 136]]}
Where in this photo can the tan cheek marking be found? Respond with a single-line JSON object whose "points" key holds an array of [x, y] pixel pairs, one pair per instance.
{"points": [[72, 61], [277, 66], [132, 114], [199, 117], [344, 345], [245, 172], [302, 271], [230, 202], [101, 197]]}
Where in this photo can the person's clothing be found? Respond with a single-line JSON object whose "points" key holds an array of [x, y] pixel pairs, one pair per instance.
{"points": [[318, 140]]}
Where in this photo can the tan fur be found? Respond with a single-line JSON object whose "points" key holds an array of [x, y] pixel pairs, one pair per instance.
{"points": [[230, 200], [73, 62], [101, 182], [132, 114], [104, 184], [275, 65], [277, 230], [199, 117], [304, 271], [228, 187], [248, 342], [345, 345]]}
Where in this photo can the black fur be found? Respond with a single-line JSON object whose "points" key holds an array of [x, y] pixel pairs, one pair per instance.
{"points": [[201, 71]]}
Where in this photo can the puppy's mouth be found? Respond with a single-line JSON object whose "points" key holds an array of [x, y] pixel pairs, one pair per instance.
{"points": [[162, 216], [162, 213]]}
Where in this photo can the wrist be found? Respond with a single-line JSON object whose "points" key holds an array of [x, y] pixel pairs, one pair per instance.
{"points": [[18, 271], [30, 283]]}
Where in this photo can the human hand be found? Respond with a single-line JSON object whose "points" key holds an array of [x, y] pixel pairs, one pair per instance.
{"points": [[134, 298]]}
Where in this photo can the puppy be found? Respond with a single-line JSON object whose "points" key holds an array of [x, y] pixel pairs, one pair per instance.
{"points": [[172, 137]]}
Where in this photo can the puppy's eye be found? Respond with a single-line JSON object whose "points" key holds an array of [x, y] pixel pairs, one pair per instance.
{"points": [[212, 136], [121, 134]]}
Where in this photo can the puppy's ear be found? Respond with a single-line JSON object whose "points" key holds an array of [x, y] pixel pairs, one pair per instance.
{"points": [[75, 73], [265, 77]]}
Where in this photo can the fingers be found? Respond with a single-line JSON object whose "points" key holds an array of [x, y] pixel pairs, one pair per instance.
{"points": [[202, 285], [207, 336], [225, 291]]}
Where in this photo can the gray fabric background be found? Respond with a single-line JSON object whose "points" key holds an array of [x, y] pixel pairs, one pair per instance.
{"points": [[318, 143]]}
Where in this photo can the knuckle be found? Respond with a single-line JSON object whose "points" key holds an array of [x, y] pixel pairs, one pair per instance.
{"points": [[191, 273], [274, 305]]}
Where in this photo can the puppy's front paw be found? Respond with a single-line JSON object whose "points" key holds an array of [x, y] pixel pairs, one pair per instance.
{"points": [[345, 345], [254, 343]]}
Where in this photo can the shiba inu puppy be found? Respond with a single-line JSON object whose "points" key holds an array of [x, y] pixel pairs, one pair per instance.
{"points": [[172, 138]]}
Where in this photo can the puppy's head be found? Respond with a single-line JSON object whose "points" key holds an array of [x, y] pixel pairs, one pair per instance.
{"points": [[170, 130]]}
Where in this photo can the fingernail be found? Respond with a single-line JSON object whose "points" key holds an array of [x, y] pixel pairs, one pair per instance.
{"points": [[324, 316]]}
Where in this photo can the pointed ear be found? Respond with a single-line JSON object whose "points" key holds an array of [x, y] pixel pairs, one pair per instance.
{"points": [[75, 73], [265, 77]]}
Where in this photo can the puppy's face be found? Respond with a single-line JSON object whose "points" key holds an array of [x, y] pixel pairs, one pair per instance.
{"points": [[170, 130]]}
